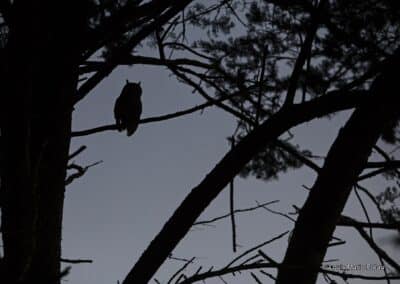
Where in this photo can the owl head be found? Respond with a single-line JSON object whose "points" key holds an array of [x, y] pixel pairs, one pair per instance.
{"points": [[133, 87]]}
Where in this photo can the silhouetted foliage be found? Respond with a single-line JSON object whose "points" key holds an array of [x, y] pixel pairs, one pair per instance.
{"points": [[389, 205], [272, 64], [262, 38]]}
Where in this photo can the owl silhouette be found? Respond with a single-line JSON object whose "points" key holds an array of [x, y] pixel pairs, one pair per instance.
{"points": [[128, 108]]}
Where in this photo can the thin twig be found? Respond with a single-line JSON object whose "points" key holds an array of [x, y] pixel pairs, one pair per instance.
{"points": [[77, 152], [205, 222], [75, 261], [232, 206], [180, 270], [380, 252], [279, 213], [80, 171], [256, 248]]}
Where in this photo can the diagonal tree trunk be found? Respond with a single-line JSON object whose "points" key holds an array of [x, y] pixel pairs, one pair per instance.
{"points": [[204, 193], [41, 79], [345, 161]]}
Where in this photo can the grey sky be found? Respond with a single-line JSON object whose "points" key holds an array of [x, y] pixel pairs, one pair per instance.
{"points": [[115, 210]]}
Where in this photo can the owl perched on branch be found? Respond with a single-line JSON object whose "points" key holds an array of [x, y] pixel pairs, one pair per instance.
{"points": [[128, 108]]}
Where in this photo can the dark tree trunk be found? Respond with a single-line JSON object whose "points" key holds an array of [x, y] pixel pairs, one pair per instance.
{"points": [[41, 78], [216, 180], [345, 161]]}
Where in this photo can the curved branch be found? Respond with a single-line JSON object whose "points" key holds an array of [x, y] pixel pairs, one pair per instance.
{"points": [[91, 66], [343, 165], [201, 196], [127, 48]]}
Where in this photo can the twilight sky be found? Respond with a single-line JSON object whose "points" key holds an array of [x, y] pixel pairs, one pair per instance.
{"points": [[115, 210]]}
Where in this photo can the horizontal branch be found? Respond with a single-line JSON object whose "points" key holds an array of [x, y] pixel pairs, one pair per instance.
{"points": [[91, 66], [346, 221], [76, 261], [205, 222], [388, 164], [154, 119], [187, 48]]}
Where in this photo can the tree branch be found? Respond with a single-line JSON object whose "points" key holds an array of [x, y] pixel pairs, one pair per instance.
{"points": [[91, 66], [346, 159], [76, 261], [124, 50], [304, 52], [77, 152], [206, 222], [154, 119], [201, 196], [257, 266], [80, 171], [380, 252], [126, 18]]}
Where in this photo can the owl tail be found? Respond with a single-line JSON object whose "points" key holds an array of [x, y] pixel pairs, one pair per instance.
{"points": [[130, 130]]}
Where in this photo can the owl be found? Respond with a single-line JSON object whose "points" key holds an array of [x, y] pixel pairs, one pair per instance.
{"points": [[128, 108]]}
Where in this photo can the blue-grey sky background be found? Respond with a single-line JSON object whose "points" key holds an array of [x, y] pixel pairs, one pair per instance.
{"points": [[115, 210]]}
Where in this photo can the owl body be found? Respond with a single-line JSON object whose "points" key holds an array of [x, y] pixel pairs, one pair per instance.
{"points": [[128, 108]]}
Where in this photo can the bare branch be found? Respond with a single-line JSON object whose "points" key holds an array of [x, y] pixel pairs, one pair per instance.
{"points": [[76, 261], [255, 278], [127, 48], [201, 196], [188, 48], [279, 213], [329, 193], [380, 252], [77, 152], [153, 119], [80, 171], [181, 269], [346, 221], [304, 52], [232, 206], [388, 165], [235, 211], [256, 248], [127, 17], [257, 266], [91, 66]]}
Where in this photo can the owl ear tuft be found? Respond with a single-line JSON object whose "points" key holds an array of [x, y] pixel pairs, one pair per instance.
{"points": [[139, 83], [127, 81]]}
